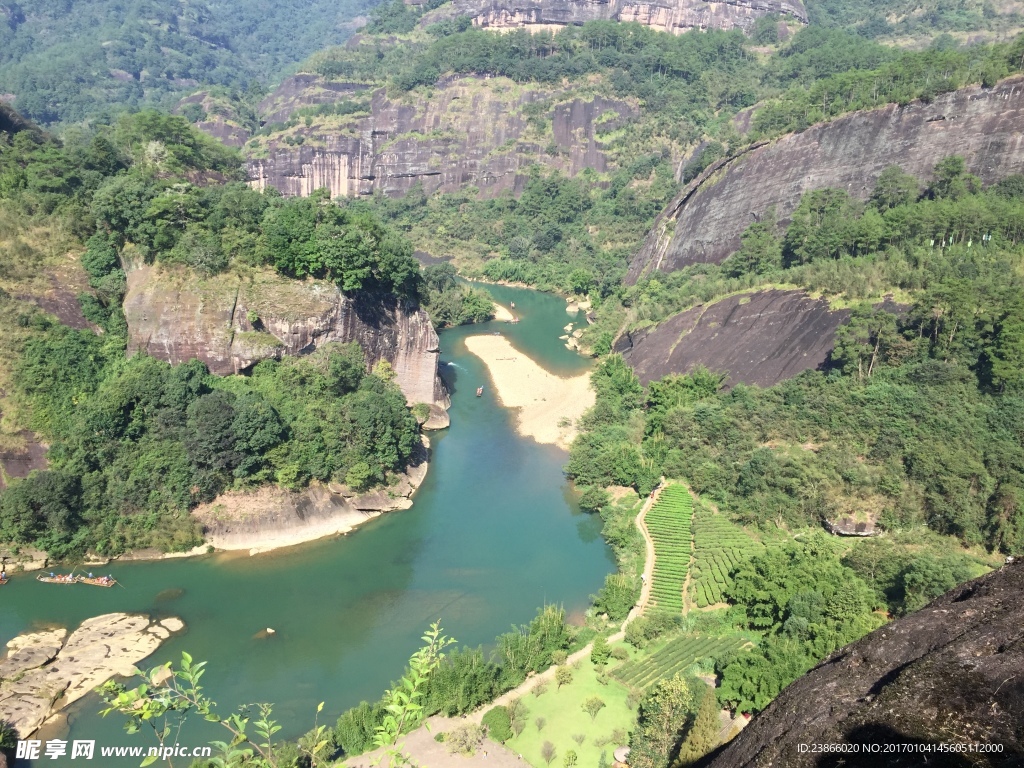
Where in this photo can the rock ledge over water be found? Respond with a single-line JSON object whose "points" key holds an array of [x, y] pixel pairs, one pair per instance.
{"points": [[43, 673]]}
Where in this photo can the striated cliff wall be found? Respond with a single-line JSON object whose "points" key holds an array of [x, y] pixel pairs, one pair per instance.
{"points": [[704, 223], [947, 674], [472, 131], [674, 16], [175, 316], [757, 338]]}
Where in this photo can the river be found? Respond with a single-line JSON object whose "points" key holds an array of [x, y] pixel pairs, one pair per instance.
{"points": [[493, 534]]}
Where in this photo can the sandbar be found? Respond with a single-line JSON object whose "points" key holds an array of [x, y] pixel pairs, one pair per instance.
{"points": [[542, 398], [502, 314]]}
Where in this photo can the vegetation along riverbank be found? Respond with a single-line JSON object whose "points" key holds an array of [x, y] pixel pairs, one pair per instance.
{"points": [[235, 293]]}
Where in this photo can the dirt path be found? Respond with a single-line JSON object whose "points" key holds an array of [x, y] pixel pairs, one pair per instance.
{"points": [[645, 594]]}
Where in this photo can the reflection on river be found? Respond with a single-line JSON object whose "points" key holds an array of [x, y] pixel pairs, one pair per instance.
{"points": [[493, 534]]}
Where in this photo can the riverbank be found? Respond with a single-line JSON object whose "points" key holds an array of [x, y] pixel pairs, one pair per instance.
{"points": [[548, 405], [273, 518]]}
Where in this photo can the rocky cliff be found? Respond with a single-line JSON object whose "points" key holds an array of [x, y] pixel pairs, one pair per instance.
{"points": [[231, 322], [704, 223], [675, 16], [475, 131], [757, 338], [949, 674]]}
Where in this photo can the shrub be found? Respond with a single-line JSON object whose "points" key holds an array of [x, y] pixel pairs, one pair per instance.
{"points": [[498, 723], [465, 739]]}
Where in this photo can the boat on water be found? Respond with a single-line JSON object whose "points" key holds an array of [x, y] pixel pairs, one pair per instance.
{"points": [[479, 391], [58, 579], [101, 581]]}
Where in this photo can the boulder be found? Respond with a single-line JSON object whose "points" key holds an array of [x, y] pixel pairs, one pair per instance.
{"points": [[949, 674]]}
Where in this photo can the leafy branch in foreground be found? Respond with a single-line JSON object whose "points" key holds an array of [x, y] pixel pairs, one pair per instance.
{"points": [[168, 696], [402, 703]]}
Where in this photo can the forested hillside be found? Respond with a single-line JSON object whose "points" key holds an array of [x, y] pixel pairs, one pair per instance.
{"points": [[916, 21], [136, 443], [575, 235], [68, 61]]}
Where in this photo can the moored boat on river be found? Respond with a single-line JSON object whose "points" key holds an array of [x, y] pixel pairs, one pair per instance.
{"points": [[479, 391]]}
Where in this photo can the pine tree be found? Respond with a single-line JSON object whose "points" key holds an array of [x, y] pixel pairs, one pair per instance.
{"points": [[703, 736]]}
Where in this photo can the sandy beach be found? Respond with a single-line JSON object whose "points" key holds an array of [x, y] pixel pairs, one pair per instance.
{"points": [[502, 313], [541, 398]]}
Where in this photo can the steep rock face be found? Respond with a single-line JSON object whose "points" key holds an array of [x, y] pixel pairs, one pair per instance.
{"points": [[675, 16], [472, 131], [760, 338], [948, 674], [231, 323], [304, 90], [704, 223]]}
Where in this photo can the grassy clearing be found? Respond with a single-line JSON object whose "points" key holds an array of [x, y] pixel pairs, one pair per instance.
{"points": [[563, 712]]}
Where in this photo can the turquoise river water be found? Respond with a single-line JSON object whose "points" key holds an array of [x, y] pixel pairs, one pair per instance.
{"points": [[494, 533]]}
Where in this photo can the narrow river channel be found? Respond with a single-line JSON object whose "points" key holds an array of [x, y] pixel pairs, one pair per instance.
{"points": [[494, 533]]}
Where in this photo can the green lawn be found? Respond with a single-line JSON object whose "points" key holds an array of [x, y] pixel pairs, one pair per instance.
{"points": [[563, 711]]}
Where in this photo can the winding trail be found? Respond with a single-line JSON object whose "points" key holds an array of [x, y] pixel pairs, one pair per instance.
{"points": [[549, 674]]}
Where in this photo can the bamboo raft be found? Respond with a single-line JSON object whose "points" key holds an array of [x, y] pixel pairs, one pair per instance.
{"points": [[98, 582], [69, 579]]}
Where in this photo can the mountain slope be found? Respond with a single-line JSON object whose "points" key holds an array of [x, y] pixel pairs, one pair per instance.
{"points": [[65, 62], [704, 223]]}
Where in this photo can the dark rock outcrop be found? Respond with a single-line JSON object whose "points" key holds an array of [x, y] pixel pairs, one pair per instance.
{"points": [[757, 338], [19, 461], [221, 121], [704, 223], [951, 673], [675, 16], [231, 323], [472, 131]]}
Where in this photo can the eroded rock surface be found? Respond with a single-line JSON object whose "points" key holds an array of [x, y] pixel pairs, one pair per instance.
{"points": [[951, 673], [274, 517], [231, 323], [43, 673], [757, 338], [704, 223], [674, 16], [471, 131]]}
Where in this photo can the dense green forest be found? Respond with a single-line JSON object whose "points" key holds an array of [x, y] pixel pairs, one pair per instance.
{"points": [[899, 388], [917, 423], [136, 443], [69, 61]]}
